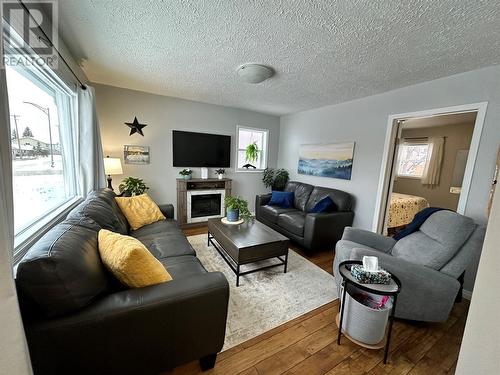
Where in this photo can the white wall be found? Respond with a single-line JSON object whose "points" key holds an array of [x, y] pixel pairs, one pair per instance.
{"points": [[162, 114], [365, 121], [480, 350]]}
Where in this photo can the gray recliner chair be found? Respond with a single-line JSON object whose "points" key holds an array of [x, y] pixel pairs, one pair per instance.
{"points": [[429, 262]]}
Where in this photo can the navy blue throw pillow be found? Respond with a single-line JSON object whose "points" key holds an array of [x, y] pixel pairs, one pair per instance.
{"points": [[324, 205], [417, 222], [283, 199]]}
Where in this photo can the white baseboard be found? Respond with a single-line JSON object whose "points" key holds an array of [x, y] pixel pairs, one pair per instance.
{"points": [[467, 294]]}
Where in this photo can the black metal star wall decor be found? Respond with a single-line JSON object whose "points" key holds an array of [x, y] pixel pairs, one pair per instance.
{"points": [[135, 127]]}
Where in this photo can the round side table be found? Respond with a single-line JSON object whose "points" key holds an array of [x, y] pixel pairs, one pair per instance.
{"points": [[392, 289]]}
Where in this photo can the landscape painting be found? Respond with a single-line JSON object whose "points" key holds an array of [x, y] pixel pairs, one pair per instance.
{"points": [[136, 154], [327, 160]]}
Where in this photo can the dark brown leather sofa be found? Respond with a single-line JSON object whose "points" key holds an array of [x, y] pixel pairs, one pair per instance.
{"points": [[311, 230], [80, 320]]}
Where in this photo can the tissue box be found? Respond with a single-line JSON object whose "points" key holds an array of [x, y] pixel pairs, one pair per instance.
{"points": [[370, 277]]}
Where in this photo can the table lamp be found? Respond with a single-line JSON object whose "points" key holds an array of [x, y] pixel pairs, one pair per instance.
{"points": [[112, 166]]}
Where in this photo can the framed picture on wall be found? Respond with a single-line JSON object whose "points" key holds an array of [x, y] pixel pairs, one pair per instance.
{"points": [[136, 154], [332, 160]]}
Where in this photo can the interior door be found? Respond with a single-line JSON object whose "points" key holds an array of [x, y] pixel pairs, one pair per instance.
{"points": [[395, 154]]}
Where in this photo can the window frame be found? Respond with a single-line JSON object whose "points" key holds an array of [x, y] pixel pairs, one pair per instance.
{"points": [[406, 142], [265, 148], [47, 80]]}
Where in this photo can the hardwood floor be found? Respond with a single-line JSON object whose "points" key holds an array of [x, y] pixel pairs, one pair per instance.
{"points": [[307, 345]]}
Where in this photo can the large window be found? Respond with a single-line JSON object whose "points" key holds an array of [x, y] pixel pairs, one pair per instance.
{"points": [[41, 116], [251, 149], [412, 159]]}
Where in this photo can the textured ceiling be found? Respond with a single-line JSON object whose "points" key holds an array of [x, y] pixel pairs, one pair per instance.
{"points": [[324, 52]]}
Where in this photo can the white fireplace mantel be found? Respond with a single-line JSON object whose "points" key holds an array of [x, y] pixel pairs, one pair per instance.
{"points": [[201, 219]]}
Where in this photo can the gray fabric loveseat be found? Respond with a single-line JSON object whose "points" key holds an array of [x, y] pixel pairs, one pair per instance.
{"points": [[311, 230], [429, 262], [80, 320]]}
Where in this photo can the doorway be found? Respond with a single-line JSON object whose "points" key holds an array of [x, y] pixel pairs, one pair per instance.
{"points": [[428, 161]]}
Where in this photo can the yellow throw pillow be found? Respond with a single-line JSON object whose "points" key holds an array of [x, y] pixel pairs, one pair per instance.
{"points": [[139, 210], [130, 261]]}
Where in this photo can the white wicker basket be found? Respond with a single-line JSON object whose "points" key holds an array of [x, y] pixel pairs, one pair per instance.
{"points": [[363, 323]]}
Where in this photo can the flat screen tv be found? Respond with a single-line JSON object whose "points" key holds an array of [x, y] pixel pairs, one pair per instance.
{"points": [[201, 150]]}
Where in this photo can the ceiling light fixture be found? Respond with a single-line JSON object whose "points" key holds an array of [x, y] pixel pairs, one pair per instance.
{"points": [[255, 73]]}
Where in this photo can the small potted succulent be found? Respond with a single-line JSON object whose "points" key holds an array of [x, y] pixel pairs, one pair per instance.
{"points": [[236, 209], [220, 173], [186, 173], [131, 186]]}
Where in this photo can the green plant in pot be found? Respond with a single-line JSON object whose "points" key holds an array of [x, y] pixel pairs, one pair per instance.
{"points": [[186, 173], [252, 153], [275, 179], [131, 186], [220, 173], [236, 209]]}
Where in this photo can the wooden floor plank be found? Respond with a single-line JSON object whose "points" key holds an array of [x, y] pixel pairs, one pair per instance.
{"points": [[451, 371], [249, 371], [324, 360], [332, 305], [296, 353], [307, 344], [424, 338], [272, 345], [398, 364], [368, 359], [360, 362], [443, 355]]}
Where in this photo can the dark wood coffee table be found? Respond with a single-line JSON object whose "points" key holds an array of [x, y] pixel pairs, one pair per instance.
{"points": [[247, 243]]}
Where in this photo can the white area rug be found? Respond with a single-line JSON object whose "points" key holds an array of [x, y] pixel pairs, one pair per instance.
{"points": [[269, 298]]}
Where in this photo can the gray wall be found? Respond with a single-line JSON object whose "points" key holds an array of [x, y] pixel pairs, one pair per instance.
{"points": [[365, 122], [162, 114]]}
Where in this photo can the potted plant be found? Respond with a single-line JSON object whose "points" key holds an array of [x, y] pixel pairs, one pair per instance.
{"points": [[236, 208], [275, 179], [220, 173], [131, 186], [251, 154], [186, 173]]}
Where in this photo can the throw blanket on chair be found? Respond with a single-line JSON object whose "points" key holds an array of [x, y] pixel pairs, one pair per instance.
{"points": [[417, 222]]}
